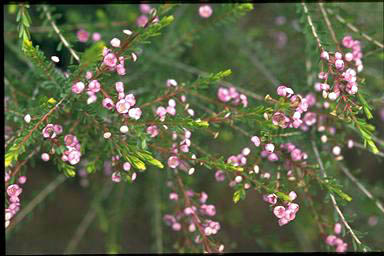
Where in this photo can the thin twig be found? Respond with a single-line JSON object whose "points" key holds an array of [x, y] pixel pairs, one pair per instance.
{"points": [[362, 188], [329, 25], [193, 70], [332, 196], [358, 145], [65, 42], [37, 200], [354, 29], [259, 65], [311, 25]]}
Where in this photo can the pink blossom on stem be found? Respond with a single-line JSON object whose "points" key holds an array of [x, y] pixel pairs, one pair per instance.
{"points": [[82, 35]]}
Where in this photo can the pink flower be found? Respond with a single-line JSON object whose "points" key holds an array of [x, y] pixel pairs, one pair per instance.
{"points": [[108, 103], [281, 91], [331, 240], [135, 113], [348, 42], [122, 106], [342, 247], [209, 210], [145, 8], [74, 157], [96, 36], [126, 166], [116, 177], [49, 131], [171, 82], [289, 215], [205, 11], [203, 197], [271, 198], [279, 211], [119, 87], [223, 94], [78, 87], [173, 196], [310, 118], [256, 140], [283, 221], [296, 155], [82, 35], [269, 147], [94, 86], [171, 110], [337, 228], [14, 190], [14, 199], [173, 162], [219, 176], [279, 119], [130, 98], [141, 21], [161, 111], [153, 130], [110, 60], [169, 219], [70, 140], [176, 226], [339, 64], [58, 129], [273, 157], [348, 56], [22, 179], [293, 207], [324, 55]]}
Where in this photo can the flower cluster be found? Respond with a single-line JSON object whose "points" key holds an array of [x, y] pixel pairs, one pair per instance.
{"points": [[298, 106], [125, 103], [333, 240], [161, 111], [13, 192], [111, 61], [295, 155], [193, 215], [72, 154], [145, 10], [284, 213], [231, 94], [83, 35], [50, 131], [343, 68], [125, 166]]}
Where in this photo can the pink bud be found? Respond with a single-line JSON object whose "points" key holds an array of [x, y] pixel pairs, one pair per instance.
{"points": [[141, 21], [96, 36], [108, 103], [337, 228], [173, 162], [126, 166], [45, 157], [205, 11], [115, 42], [22, 179], [78, 87], [82, 35], [135, 113], [116, 177], [324, 55]]}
